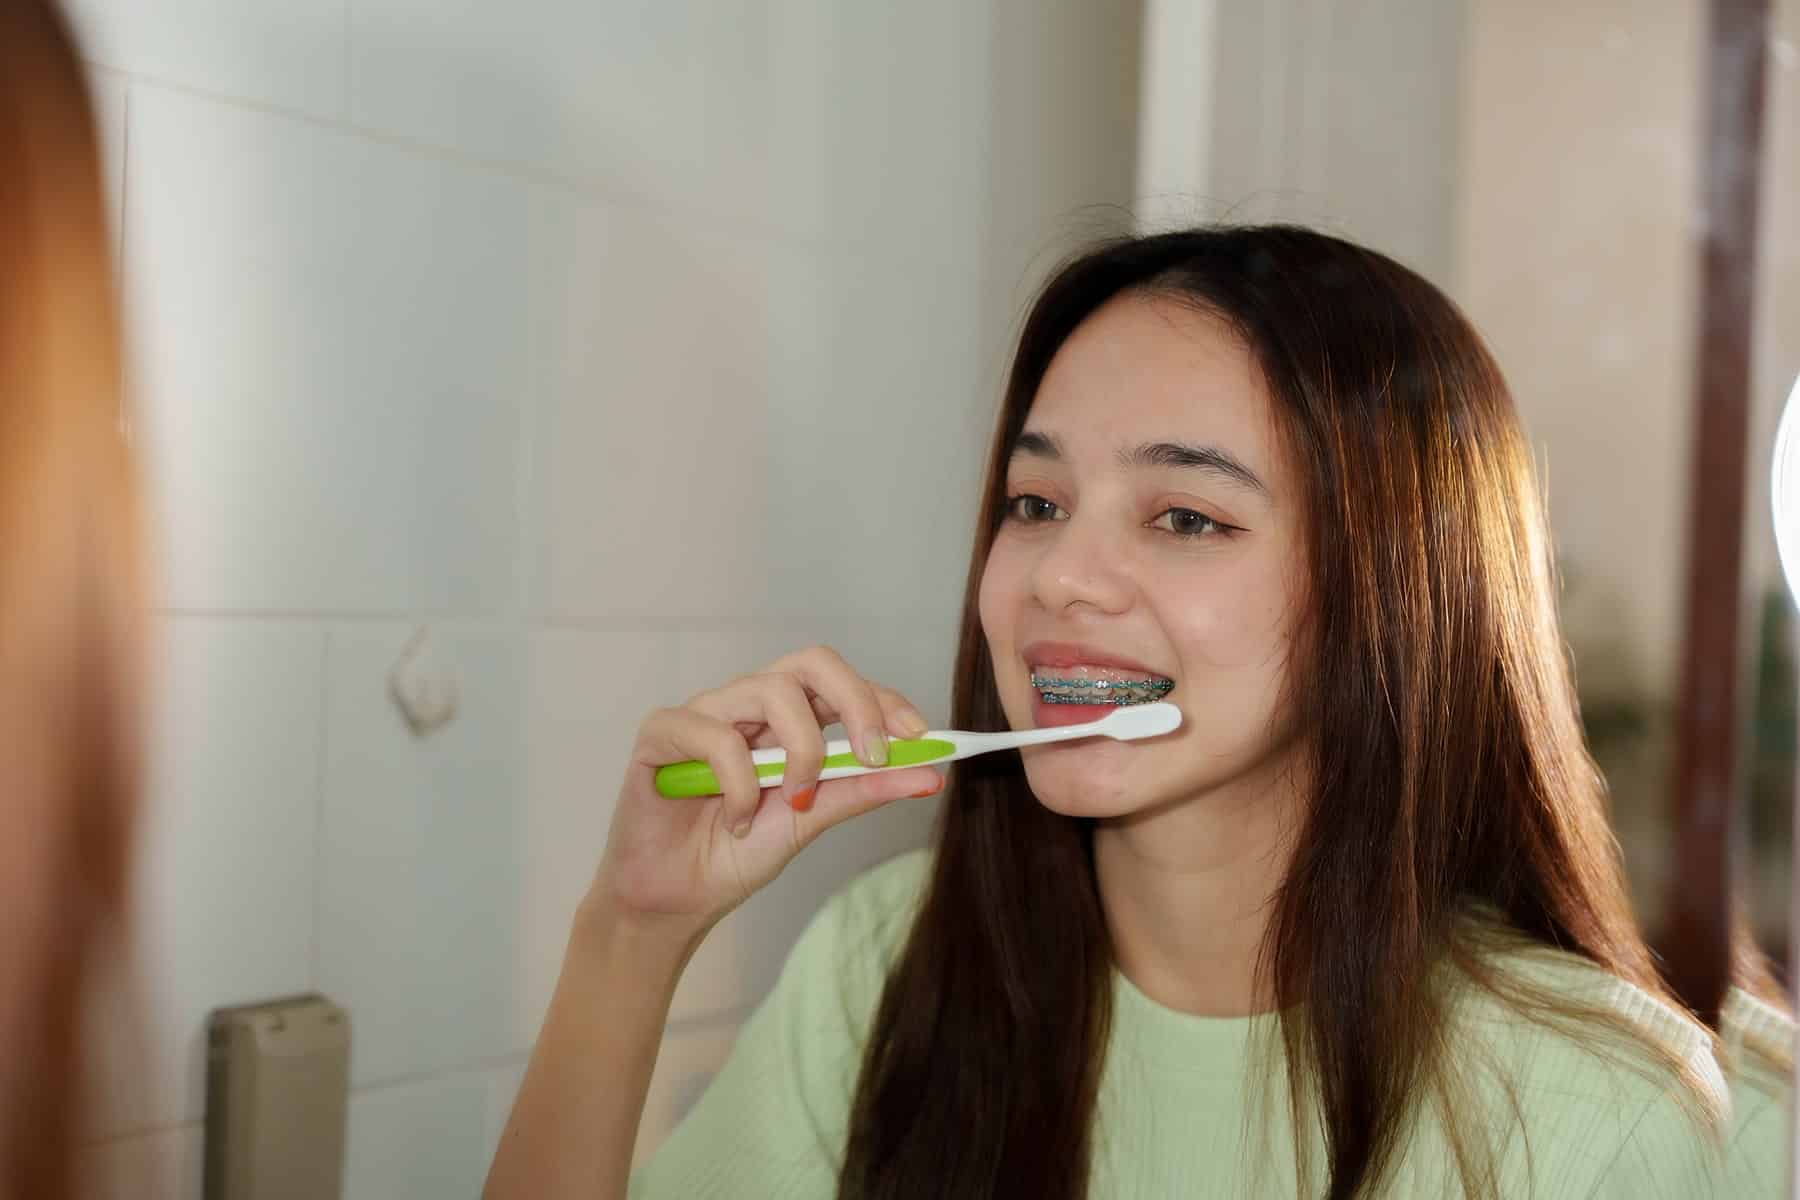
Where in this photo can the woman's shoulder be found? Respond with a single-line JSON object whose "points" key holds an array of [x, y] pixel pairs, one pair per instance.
{"points": [[1607, 1089], [1559, 1015], [1756, 1042]]}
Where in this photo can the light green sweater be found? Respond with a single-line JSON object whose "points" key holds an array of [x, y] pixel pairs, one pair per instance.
{"points": [[1174, 1097]]}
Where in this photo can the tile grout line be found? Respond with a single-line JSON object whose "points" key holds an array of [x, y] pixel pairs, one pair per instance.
{"points": [[503, 621], [346, 90], [714, 1021], [530, 545], [322, 747]]}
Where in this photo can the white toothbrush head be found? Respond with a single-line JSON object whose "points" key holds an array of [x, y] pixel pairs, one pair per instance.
{"points": [[1139, 721]]}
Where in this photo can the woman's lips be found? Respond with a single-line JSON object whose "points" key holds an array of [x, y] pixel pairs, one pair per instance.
{"points": [[1060, 655]]}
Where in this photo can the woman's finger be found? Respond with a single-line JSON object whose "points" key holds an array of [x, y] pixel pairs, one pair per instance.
{"points": [[773, 709], [838, 800], [676, 734], [903, 718], [852, 698], [779, 704], [796, 730]]}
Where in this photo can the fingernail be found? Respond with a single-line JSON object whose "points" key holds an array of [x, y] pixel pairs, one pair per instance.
{"points": [[933, 790], [912, 723], [801, 801], [741, 829], [874, 748]]}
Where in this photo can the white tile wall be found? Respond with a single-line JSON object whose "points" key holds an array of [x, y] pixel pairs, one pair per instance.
{"points": [[338, 347], [233, 806], [892, 150], [642, 98], [838, 401], [685, 338], [893, 407], [419, 862], [418, 1141], [823, 120], [285, 53]]}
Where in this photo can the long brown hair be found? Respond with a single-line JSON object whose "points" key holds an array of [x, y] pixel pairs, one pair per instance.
{"points": [[70, 596], [1452, 775]]}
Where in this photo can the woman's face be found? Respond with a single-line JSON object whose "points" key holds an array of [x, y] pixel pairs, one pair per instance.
{"points": [[1153, 535]]}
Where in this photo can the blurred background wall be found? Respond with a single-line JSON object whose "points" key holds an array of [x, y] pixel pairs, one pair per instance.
{"points": [[1577, 214], [624, 345]]}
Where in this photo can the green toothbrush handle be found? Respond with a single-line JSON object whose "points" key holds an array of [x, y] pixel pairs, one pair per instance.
{"points": [[695, 778]]}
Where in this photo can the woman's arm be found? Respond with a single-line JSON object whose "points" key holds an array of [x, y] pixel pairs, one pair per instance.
{"points": [[575, 1121]]}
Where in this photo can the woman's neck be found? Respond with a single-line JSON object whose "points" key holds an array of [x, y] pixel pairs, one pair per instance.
{"points": [[1188, 891]]}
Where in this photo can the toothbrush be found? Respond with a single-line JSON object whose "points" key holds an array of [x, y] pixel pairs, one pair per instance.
{"points": [[695, 778]]}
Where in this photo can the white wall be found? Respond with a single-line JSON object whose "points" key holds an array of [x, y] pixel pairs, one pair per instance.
{"points": [[628, 344], [1336, 114], [1576, 259]]}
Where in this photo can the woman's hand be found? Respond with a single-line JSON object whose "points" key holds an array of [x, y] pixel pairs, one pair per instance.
{"points": [[679, 865]]}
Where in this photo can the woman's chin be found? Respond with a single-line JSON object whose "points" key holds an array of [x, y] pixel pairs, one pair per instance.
{"points": [[1078, 793]]}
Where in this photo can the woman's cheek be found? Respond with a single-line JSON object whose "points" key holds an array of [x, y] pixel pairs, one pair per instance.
{"points": [[1232, 624]]}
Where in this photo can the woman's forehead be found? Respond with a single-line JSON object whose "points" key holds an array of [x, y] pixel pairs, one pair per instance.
{"points": [[1143, 370]]}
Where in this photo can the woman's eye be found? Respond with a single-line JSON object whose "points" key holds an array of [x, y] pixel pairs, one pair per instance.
{"points": [[1030, 508], [1185, 522]]}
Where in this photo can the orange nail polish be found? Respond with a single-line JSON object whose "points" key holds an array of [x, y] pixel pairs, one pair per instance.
{"points": [[930, 791], [801, 801]]}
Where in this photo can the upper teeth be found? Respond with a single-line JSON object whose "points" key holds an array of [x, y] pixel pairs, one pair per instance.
{"points": [[1080, 676], [1112, 686]]}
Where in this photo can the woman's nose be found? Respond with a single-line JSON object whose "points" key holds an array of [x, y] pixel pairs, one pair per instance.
{"points": [[1081, 566]]}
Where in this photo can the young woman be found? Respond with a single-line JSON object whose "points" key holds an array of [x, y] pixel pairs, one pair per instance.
{"points": [[70, 596], [1357, 928]]}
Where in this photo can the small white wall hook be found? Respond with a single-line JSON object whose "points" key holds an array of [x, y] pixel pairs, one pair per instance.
{"points": [[425, 690]]}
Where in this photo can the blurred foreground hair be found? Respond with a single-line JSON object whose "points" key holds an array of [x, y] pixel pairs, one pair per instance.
{"points": [[71, 597]]}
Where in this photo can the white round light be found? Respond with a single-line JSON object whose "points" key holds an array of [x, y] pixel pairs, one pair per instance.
{"points": [[1784, 490]]}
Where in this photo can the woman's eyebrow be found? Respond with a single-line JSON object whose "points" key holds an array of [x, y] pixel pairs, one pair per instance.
{"points": [[1154, 454], [1202, 458], [1038, 445]]}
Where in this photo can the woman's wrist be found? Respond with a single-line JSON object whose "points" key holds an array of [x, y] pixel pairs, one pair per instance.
{"points": [[650, 940]]}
